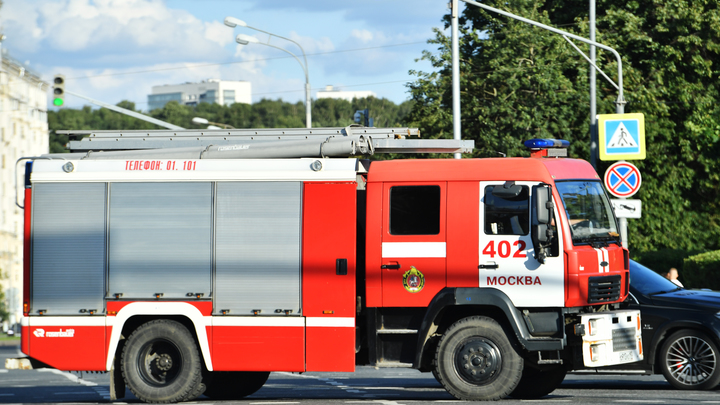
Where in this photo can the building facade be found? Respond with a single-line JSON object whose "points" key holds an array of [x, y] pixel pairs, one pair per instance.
{"points": [[210, 91], [23, 132], [330, 92]]}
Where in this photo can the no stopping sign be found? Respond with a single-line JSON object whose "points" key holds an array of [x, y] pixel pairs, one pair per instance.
{"points": [[622, 179]]}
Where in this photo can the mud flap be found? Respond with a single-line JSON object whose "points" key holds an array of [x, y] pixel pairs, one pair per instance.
{"points": [[117, 383]]}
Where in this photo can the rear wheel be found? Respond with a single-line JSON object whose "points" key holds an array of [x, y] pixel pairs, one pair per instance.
{"points": [[536, 383], [234, 384], [689, 360], [161, 363], [475, 360]]}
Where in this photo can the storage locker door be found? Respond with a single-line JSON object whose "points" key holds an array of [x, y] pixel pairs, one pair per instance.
{"points": [[160, 239], [68, 247], [258, 247]]}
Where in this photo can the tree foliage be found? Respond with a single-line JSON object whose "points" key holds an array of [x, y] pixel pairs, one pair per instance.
{"points": [[519, 82], [263, 114]]}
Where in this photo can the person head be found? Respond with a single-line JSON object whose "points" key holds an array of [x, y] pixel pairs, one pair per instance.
{"points": [[672, 274]]}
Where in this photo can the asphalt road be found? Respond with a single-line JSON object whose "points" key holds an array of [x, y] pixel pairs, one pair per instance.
{"points": [[366, 386]]}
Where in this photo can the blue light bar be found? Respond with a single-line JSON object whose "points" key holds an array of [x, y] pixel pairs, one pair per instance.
{"points": [[546, 143]]}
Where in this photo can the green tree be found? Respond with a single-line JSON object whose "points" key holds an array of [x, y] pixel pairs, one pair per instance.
{"points": [[520, 82], [4, 314]]}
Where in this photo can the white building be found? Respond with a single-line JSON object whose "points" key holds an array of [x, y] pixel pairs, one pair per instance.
{"points": [[210, 91], [345, 95], [23, 132]]}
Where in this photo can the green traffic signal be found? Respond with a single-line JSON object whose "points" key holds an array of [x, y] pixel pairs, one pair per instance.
{"points": [[59, 90]]}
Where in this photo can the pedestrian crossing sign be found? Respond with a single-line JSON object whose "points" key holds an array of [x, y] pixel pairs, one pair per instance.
{"points": [[621, 136]]}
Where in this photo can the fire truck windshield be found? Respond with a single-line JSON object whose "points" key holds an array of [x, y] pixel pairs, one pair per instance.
{"points": [[588, 211]]}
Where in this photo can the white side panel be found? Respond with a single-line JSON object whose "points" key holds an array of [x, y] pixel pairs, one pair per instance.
{"points": [[194, 170], [518, 274]]}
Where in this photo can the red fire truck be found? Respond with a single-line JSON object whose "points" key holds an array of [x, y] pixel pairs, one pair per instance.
{"points": [[197, 262]]}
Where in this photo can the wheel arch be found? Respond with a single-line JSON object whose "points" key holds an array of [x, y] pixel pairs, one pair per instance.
{"points": [[131, 316]]}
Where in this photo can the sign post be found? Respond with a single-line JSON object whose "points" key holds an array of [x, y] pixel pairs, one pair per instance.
{"points": [[622, 136], [623, 180]]}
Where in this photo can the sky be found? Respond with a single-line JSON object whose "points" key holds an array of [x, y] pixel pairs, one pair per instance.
{"points": [[114, 50]]}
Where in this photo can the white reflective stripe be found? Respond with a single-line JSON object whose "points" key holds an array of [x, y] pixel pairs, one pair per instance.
{"points": [[258, 321], [331, 322], [606, 258], [413, 249], [599, 259], [66, 321]]}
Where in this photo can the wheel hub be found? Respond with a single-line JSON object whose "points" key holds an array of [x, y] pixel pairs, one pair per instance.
{"points": [[164, 362], [477, 361]]}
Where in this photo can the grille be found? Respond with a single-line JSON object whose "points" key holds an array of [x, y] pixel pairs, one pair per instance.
{"points": [[603, 289]]}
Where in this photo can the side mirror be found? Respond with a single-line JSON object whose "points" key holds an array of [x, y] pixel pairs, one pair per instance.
{"points": [[540, 232], [542, 204]]}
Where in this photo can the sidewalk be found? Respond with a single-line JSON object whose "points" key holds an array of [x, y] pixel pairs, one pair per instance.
{"points": [[15, 342]]}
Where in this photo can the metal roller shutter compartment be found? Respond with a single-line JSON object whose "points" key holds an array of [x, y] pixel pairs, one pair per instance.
{"points": [[68, 247], [160, 239], [257, 238]]}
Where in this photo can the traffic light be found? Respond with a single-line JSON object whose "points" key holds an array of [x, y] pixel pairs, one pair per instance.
{"points": [[59, 90]]}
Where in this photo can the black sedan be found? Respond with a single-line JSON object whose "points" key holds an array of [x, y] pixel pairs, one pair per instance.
{"points": [[680, 330]]}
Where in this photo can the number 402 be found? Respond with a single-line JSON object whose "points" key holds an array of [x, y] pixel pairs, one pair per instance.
{"points": [[504, 250]]}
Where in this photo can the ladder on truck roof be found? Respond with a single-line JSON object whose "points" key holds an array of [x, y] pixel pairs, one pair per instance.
{"points": [[255, 143]]}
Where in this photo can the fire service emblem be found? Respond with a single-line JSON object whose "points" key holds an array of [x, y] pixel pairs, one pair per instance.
{"points": [[413, 280]]}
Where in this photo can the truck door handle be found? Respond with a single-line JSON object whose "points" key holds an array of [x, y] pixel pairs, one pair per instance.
{"points": [[488, 266], [393, 266]]}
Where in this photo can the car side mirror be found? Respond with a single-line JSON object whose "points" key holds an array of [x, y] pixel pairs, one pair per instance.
{"points": [[541, 233]]}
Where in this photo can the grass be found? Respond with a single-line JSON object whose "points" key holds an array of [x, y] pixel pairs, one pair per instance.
{"points": [[5, 338]]}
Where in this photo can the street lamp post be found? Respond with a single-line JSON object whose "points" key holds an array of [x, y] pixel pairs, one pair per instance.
{"points": [[246, 39]]}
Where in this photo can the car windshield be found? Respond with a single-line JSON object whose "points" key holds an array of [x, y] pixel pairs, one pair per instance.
{"points": [[648, 282], [589, 211]]}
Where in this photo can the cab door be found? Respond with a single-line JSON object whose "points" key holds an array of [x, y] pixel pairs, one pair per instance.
{"points": [[506, 255], [413, 243]]}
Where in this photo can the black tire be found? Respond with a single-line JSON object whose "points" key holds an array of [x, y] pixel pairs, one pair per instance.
{"points": [[536, 383], [475, 361], [161, 363], [689, 360], [235, 384]]}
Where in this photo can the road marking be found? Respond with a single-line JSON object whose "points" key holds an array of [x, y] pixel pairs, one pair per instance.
{"points": [[329, 381], [4, 371], [68, 376], [268, 403]]}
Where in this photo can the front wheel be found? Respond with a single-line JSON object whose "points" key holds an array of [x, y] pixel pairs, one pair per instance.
{"points": [[689, 360], [161, 363], [475, 360]]}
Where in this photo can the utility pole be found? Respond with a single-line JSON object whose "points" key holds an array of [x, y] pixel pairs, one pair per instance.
{"points": [[593, 96]]}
